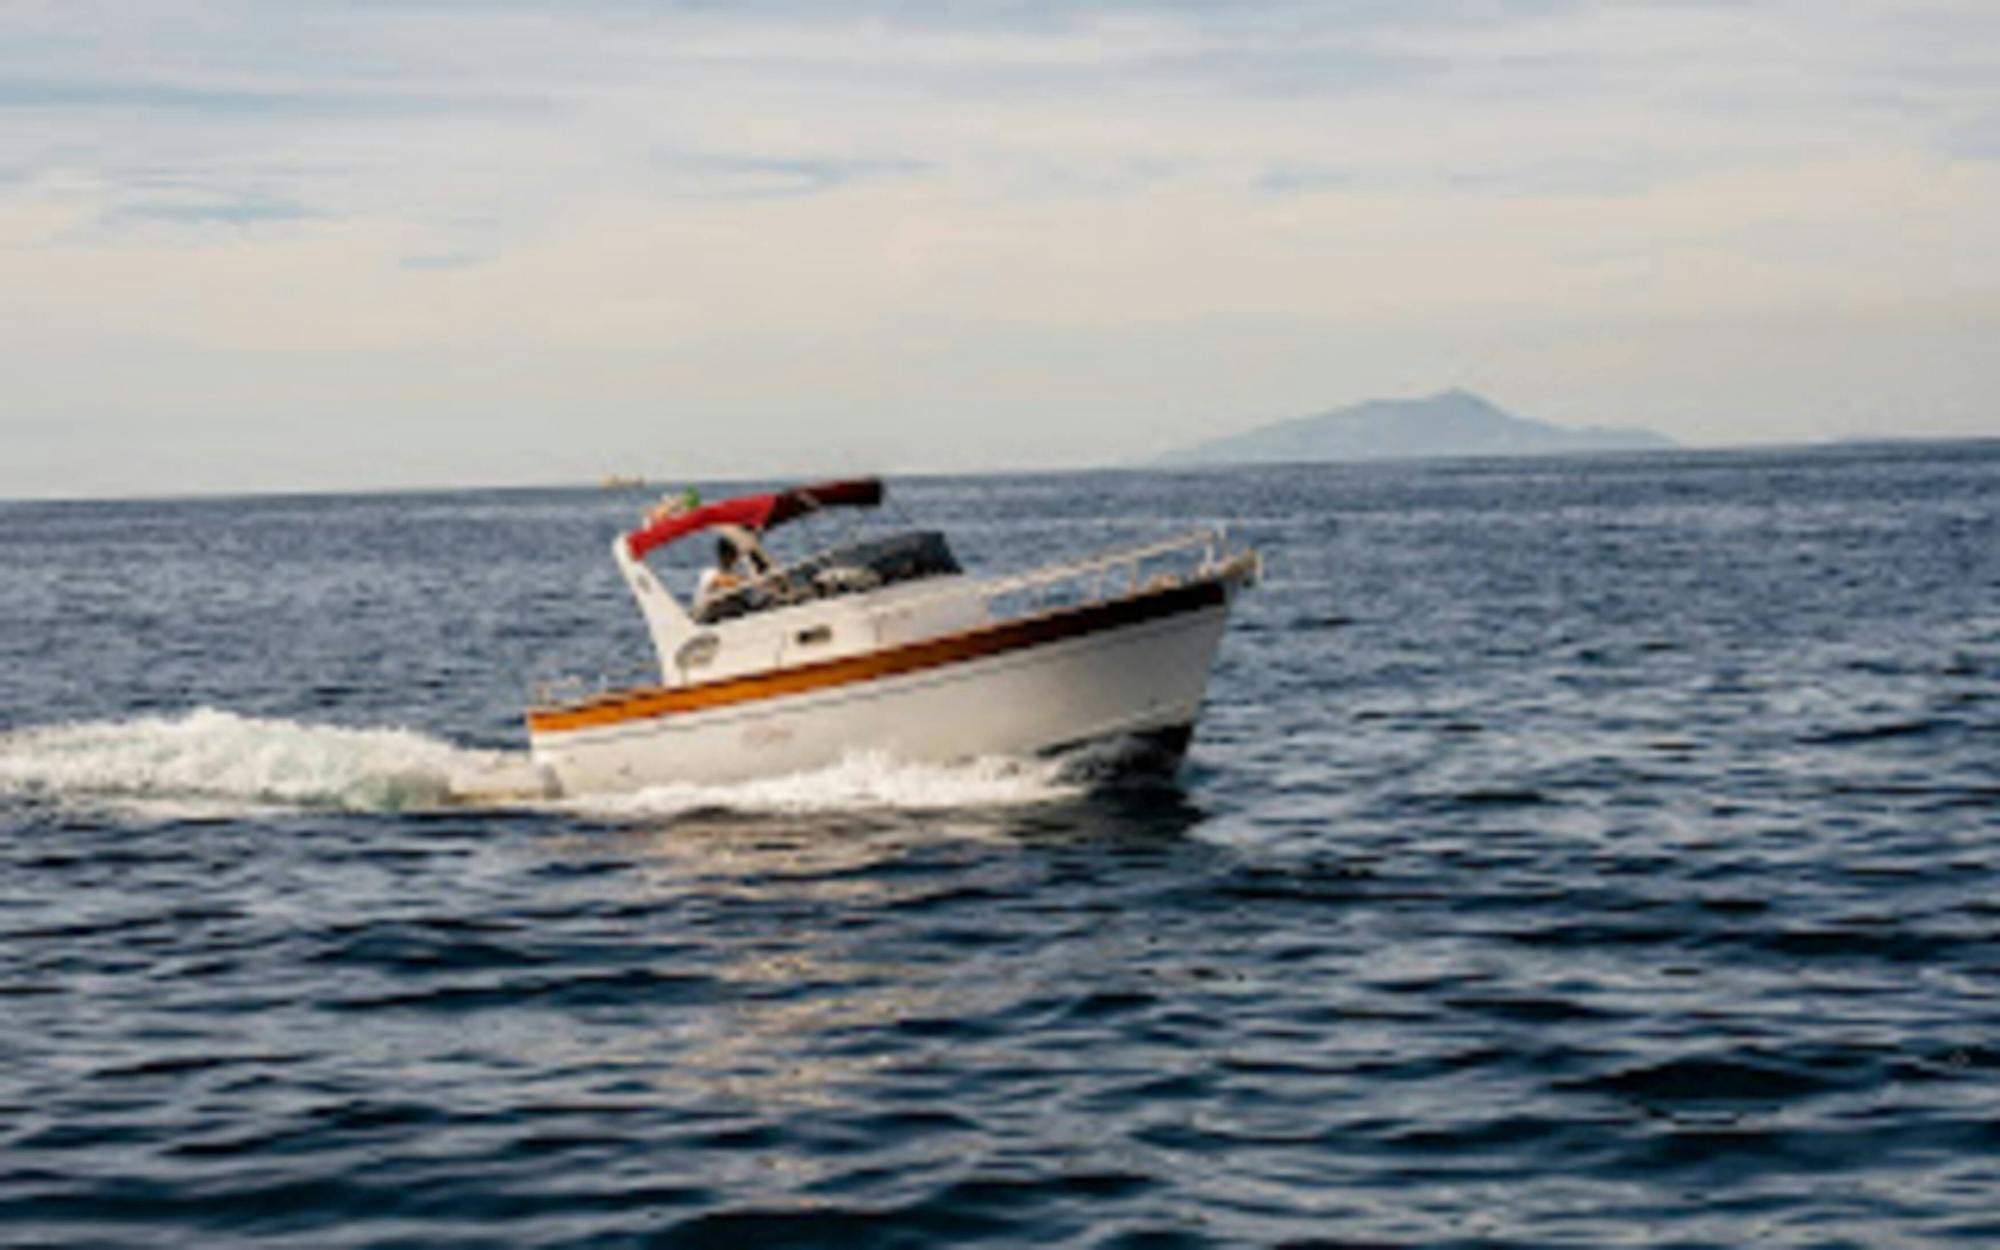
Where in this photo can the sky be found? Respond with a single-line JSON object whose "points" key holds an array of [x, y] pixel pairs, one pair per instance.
{"points": [[253, 245]]}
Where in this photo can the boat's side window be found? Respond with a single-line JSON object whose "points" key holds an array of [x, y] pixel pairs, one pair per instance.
{"points": [[815, 636], [698, 651]]}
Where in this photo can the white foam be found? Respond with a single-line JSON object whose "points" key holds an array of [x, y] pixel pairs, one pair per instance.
{"points": [[860, 782], [214, 762], [221, 760]]}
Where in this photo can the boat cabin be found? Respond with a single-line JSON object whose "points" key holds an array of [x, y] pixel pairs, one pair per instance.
{"points": [[858, 594], [849, 568]]}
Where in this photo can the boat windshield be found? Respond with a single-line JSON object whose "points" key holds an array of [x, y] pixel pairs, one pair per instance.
{"points": [[848, 568]]}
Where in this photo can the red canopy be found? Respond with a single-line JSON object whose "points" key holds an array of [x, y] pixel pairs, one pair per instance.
{"points": [[755, 512]]}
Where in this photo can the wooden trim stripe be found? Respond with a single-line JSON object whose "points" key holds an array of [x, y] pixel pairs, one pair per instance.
{"points": [[646, 702]]}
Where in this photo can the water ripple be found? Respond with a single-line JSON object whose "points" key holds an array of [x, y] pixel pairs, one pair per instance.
{"points": [[1572, 854]]}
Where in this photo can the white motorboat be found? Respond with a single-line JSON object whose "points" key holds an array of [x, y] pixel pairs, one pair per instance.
{"points": [[882, 643]]}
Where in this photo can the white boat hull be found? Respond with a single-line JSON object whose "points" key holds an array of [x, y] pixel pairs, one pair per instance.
{"points": [[1138, 667]]}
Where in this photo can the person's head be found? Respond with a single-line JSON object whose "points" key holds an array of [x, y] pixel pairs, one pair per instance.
{"points": [[726, 554]]}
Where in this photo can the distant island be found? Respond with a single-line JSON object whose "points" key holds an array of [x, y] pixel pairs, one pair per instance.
{"points": [[1452, 423]]}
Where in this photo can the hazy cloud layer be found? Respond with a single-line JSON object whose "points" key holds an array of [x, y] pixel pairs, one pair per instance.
{"points": [[248, 245]]}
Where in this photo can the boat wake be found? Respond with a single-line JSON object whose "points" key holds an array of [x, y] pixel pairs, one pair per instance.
{"points": [[215, 763], [857, 783], [213, 758]]}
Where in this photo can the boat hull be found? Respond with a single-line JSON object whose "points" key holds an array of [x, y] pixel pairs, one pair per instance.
{"points": [[1136, 666]]}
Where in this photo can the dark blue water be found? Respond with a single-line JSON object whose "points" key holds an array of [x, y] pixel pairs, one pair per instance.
{"points": [[1574, 853]]}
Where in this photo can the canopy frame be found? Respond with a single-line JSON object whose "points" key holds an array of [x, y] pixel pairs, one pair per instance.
{"points": [[755, 513]]}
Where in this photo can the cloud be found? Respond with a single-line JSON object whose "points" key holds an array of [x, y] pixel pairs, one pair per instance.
{"points": [[705, 176], [240, 212], [26, 94], [438, 261], [817, 220]]}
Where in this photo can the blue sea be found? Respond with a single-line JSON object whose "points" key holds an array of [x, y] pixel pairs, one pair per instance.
{"points": [[1574, 852]]}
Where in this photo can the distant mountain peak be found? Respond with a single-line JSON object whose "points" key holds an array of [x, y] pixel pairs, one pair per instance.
{"points": [[1452, 422]]}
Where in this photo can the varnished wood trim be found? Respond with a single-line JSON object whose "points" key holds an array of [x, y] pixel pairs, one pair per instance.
{"points": [[646, 702]]}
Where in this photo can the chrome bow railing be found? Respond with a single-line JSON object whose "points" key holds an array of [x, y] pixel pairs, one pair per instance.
{"points": [[1094, 579]]}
